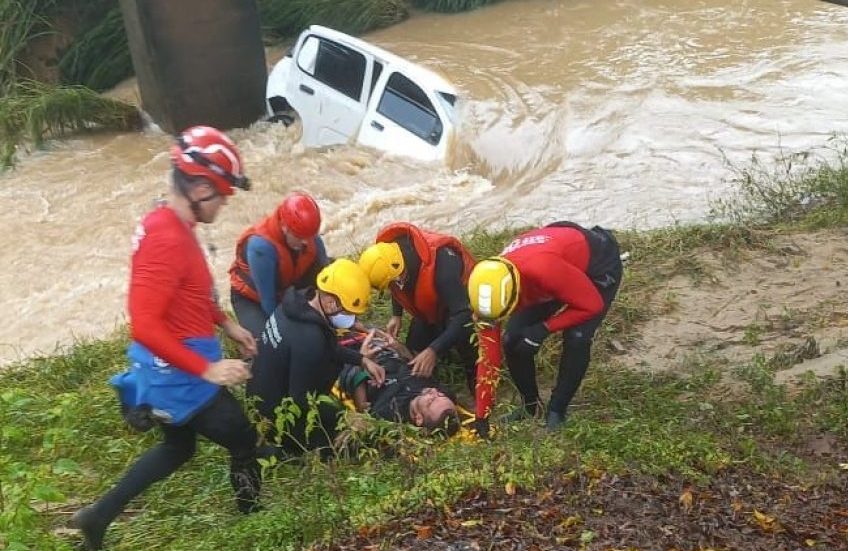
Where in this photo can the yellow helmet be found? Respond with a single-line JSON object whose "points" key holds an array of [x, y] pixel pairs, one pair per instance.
{"points": [[493, 288], [382, 263], [346, 281]]}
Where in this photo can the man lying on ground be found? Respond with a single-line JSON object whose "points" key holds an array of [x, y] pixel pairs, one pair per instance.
{"points": [[403, 397]]}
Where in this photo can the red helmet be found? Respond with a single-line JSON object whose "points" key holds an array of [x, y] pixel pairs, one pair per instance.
{"points": [[299, 213], [208, 152]]}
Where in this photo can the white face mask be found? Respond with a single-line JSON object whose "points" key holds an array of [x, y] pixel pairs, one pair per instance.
{"points": [[342, 321]]}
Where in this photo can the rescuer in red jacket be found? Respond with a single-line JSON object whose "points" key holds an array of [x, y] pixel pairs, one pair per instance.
{"points": [[280, 251], [178, 377], [561, 278], [426, 273]]}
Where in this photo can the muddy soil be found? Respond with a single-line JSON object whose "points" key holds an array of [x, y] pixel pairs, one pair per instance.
{"points": [[787, 303]]}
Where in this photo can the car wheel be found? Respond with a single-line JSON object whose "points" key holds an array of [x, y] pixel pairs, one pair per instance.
{"points": [[285, 118]]}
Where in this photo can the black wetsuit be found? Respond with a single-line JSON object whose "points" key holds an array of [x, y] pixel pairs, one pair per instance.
{"points": [[453, 329], [298, 354]]}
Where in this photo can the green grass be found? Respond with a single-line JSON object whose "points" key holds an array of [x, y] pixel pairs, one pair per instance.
{"points": [[63, 440], [286, 18], [792, 187]]}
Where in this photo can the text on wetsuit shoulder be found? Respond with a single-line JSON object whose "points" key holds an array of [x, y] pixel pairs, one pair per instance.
{"points": [[525, 241]]}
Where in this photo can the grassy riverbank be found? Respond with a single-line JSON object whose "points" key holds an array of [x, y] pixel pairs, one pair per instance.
{"points": [[681, 440]]}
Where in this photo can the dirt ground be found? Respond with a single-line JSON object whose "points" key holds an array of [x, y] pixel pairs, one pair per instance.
{"points": [[791, 300]]}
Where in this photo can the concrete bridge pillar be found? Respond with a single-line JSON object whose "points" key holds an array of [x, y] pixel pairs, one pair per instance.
{"points": [[197, 61]]}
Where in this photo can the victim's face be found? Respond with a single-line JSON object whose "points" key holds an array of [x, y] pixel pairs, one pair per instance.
{"points": [[431, 405]]}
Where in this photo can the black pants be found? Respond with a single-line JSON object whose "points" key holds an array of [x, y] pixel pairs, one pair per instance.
{"points": [[421, 334], [272, 383], [576, 342], [250, 314], [222, 421]]}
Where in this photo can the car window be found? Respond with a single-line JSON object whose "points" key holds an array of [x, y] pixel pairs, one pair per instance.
{"points": [[336, 65], [308, 54], [375, 75], [406, 104]]}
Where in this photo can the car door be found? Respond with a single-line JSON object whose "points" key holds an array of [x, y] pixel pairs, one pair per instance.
{"points": [[404, 119], [327, 90]]}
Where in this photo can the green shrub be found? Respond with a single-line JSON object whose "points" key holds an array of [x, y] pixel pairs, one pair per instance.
{"points": [[20, 22], [791, 187], [99, 57], [289, 17], [34, 111]]}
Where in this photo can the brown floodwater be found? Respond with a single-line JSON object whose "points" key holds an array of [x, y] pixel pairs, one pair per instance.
{"points": [[623, 113]]}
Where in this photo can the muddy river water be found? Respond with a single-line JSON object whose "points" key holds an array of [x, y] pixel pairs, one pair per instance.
{"points": [[621, 112]]}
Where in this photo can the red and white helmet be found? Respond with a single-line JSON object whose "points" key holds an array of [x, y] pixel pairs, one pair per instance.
{"points": [[300, 214], [208, 152]]}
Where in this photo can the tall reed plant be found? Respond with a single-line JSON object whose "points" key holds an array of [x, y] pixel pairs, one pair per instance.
{"points": [[284, 18], [451, 6], [100, 57], [20, 22], [35, 111]]}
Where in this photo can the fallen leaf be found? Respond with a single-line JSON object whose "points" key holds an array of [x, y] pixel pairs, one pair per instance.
{"points": [[766, 522], [472, 522], [587, 536], [686, 499], [510, 488], [736, 505], [423, 532], [810, 542], [573, 520]]}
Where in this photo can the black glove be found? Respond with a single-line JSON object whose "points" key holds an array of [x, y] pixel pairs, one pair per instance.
{"points": [[531, 338], [481, 427]]}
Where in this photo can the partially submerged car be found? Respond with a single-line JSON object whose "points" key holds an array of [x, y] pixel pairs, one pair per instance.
{"points": [[343, 88]]}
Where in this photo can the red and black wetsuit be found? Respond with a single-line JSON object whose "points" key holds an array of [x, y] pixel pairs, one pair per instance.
{"points": [[569, 277]]}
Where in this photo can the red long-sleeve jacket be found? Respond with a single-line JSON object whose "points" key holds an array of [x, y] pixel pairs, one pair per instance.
{"points": [[552, 264], [171, 292]]}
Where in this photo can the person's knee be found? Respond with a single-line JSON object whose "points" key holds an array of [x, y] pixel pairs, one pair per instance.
{"points": [[579, 338], [182, 449]]}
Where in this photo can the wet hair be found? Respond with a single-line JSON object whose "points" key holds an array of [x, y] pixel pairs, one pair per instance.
{"points": [[448, 424]]}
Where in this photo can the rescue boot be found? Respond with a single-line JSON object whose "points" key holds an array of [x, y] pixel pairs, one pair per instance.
{"points": [[554, 421], [93, 526], [246, 480]]}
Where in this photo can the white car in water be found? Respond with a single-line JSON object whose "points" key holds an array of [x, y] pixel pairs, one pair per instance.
{"points": [[344, 89]]}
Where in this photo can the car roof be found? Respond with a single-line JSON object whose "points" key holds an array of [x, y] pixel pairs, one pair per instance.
{"points": [[393, 61]]}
